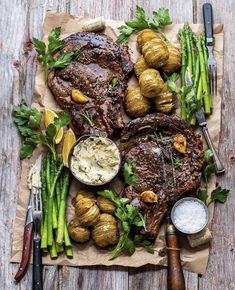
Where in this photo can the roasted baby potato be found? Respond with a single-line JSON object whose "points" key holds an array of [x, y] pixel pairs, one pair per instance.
{"points": [[81, 194], [87, 212], [77, 232], [165, 102], [105, 205], [174, 61], [155, 53], [151, 83], [136, 105], [145, 36], [105, 231], [140, 66]]}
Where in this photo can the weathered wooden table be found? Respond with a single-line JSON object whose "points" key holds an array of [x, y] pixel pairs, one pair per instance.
{"points": [[20, 20]]}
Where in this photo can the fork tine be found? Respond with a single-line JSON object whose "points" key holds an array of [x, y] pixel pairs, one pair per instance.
{"points": [[210, 80], [216, 80], [40, 200]]}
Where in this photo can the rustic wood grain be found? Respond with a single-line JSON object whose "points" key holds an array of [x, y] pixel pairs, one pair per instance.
{"points": [[19, 21], [220, 273]]}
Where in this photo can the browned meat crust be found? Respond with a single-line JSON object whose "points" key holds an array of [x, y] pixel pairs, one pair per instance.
{"points": [[159, 166], [92, 72]]}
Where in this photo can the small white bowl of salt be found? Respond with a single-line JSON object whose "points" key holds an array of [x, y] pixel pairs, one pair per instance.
{"points": [[189, 215]]}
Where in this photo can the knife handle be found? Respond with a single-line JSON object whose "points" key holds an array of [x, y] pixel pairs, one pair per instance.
{"points": [[175, 276], [26, 252], [219, 167], [208, 23], [37, 265]]}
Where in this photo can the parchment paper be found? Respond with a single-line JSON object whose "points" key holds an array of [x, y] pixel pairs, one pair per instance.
{"points": [[194, 260]]}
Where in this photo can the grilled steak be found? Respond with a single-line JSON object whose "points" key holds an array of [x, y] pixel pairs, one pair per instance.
{"points": [[100, 72], [149, 142]]}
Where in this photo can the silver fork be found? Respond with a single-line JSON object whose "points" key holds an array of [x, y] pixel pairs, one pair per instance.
{"points": [[212, 67], [37, 256]]}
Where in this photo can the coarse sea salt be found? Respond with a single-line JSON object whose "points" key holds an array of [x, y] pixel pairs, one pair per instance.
{"points": [[190, 216]]}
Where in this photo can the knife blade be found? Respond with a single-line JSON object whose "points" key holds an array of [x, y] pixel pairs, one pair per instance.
{"points": [[201, 119], [28, 228]]}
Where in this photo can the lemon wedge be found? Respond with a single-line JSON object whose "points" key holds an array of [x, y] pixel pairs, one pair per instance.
{"points": [[49, 117], [69, 140]]}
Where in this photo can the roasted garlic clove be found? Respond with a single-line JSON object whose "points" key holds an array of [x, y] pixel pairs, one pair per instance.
{"points": [[78, 97], [136, 105], [151, 83], [87, 212], [77, 232], [155, 53], [180, 143], [105, 205], [140, 66], [174, 61], [165, 102], [149, 196], [105, 232], [145, 36]]}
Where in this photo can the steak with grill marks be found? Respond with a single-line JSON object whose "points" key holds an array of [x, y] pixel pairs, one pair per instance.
{"points": [[148, 141], [100, 65]]}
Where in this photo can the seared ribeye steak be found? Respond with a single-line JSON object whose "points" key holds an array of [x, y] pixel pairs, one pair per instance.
{"points": [[150, 143], [100, 72]]}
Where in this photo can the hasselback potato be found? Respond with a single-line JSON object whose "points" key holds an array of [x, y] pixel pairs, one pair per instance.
{"points": [[174, 61], [155, 53], [140, 66], [77, 232], [83, 193], [87, 212], [145, 36], [105, 205], [105, 231], [151, 83], [136, 104], [165, 102]]}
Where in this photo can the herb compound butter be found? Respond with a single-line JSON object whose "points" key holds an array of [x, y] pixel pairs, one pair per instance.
{"points": [[190, 216], [95, 160]]}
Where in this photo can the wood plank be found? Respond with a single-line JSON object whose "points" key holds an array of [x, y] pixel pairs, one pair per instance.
{"points": [[220, 273]]}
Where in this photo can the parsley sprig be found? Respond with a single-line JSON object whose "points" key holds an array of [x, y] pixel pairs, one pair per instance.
{"points": [[159, 20], [218, 194], [129, 216], [130, 177], [45, 53], [28, 122]]}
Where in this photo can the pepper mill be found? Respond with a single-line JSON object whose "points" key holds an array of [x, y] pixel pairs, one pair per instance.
{"points": [[175, 276]]}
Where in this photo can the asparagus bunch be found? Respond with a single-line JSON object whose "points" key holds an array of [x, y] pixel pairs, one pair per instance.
{"points": [[55, 181], [194, 58]]}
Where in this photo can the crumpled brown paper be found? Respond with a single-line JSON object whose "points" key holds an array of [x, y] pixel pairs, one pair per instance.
{"points": [[194, 260]]}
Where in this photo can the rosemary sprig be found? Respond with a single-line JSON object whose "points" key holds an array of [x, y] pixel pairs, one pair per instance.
{"points": [[87, 117]]}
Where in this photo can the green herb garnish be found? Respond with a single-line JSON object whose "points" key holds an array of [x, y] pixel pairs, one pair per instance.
{"points": [[115, 82], [159, 20], [87, 117], [28, 122], [129, 216], [177, 162], [130, 177], [45, 53]]}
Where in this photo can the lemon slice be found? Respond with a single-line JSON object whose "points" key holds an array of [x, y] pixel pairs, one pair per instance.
{"points": [[49, 117], [69, 140]]}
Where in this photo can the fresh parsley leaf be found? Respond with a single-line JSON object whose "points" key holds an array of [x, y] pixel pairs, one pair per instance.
{"points": [[130, 177], [202, 194], [160, 19], [208, 171], [51, 132], [54, 41], [25, 131], [62, 120], [129, 246], [172, 86], [219, 194], [30, 117], [115, 82], [64, 59], [26, 150], [40, 46], [139, 240], [207, 156], [111, 196]]}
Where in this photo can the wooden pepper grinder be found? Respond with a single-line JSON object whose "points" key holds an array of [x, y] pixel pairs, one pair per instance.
{"points": [[175, 276]]}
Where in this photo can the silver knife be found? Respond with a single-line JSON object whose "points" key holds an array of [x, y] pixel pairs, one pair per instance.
{"points": [[201, 118]]}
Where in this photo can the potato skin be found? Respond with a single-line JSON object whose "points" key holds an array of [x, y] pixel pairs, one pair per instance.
{"points": [[105, 205], [140, 66], [145, 36], [77, 232], [155, 53], [151, 83], [87, 212], [105, 231], [174, 61], [165, 102], [136, 104]]}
